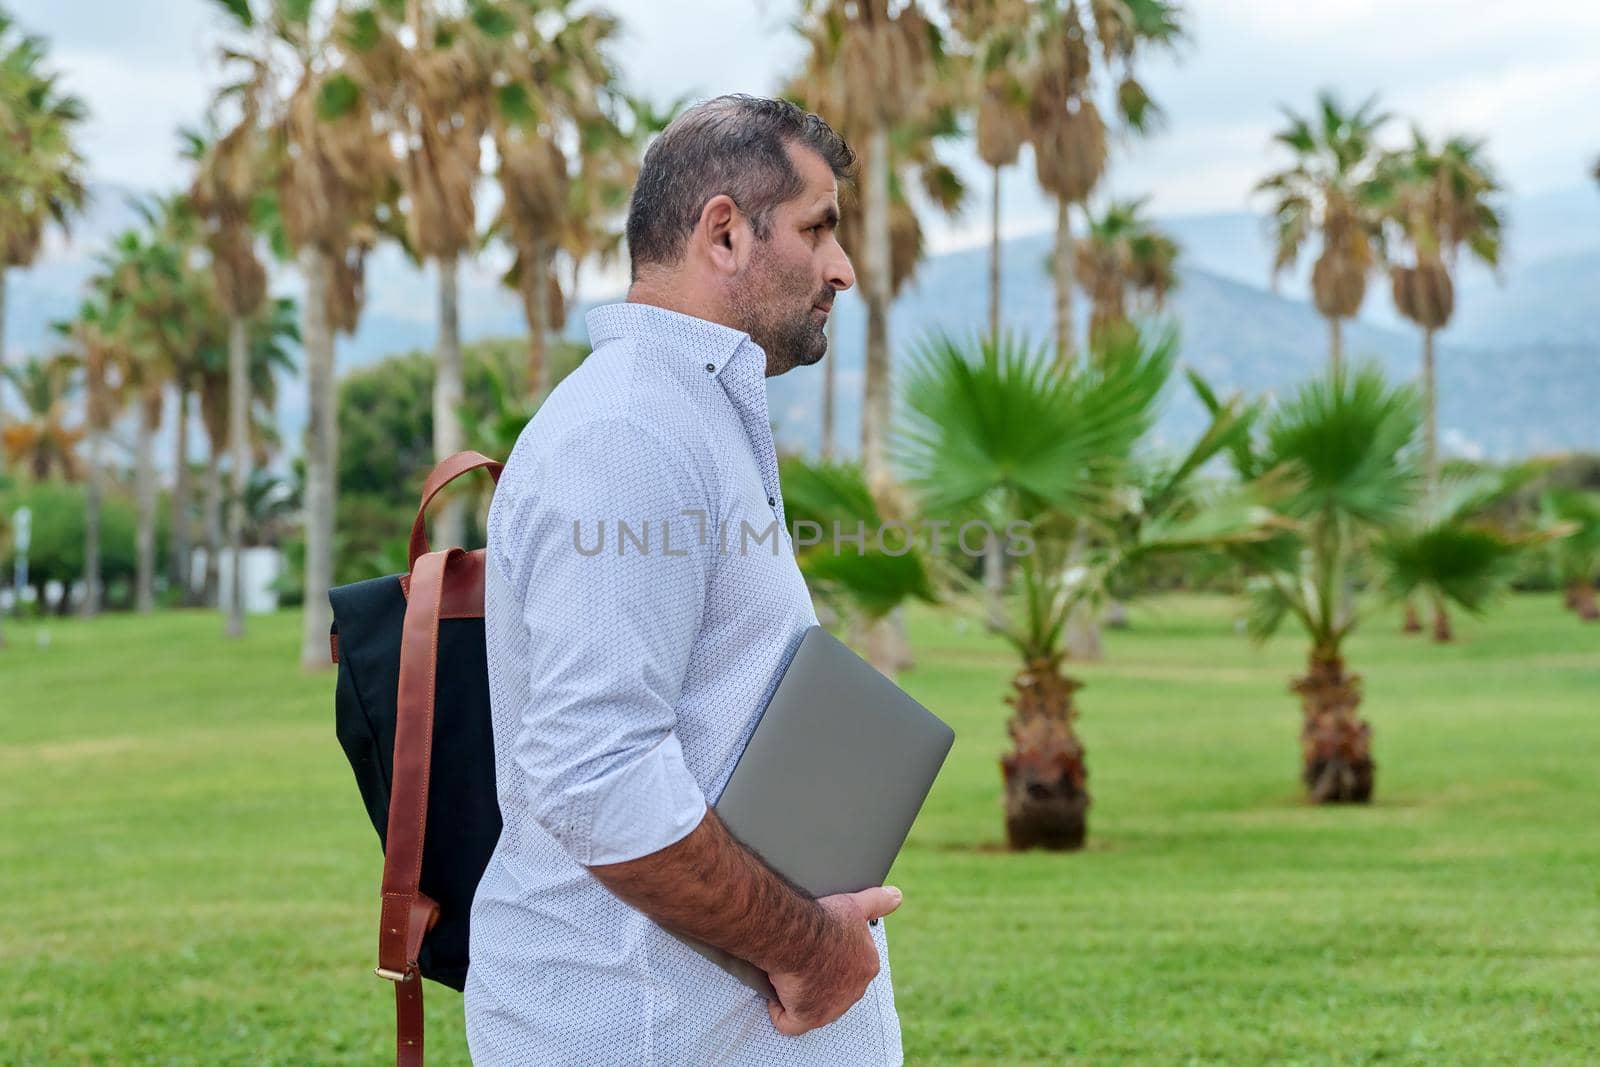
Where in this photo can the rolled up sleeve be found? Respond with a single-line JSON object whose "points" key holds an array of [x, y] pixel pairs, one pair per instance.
{"points": [[612, 616]]}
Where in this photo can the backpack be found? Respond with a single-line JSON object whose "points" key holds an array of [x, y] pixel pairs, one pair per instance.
{"points": [[412, 712]]}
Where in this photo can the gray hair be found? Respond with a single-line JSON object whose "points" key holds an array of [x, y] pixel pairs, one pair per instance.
{"points": [[734, 145]]}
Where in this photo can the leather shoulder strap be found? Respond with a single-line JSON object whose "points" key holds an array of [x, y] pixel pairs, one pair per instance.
{"points": [[444, 472], [407, 913]]}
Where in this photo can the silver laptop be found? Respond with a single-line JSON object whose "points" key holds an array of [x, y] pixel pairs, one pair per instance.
{"points": [[831, 780]]}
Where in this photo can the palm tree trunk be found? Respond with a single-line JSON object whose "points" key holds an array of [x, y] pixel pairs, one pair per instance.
{"points": [[91, 510], [1335, 744], [876, 291], [450, 526], [1044, 775], [238, 447], [538, 323], [212, 592], [145, 497], [1583, 600], [1062, 275], [994, 581], [828, 365], [1335, 343], [178, 535], [321, 450], [1441, 622], [1430, 413], [3, 273], [994, 256], [1413, 622]]}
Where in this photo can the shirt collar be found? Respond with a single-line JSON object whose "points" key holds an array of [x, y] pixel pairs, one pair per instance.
{"points": [[710, 346]]}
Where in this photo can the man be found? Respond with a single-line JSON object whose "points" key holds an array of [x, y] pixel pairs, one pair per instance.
{"points": [[641, 601]]}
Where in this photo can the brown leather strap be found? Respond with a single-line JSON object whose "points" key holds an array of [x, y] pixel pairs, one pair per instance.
{"points": [[407, 913], [444, 472]]}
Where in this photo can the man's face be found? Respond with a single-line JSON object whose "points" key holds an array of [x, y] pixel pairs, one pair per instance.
{"points": [[784, 295]]}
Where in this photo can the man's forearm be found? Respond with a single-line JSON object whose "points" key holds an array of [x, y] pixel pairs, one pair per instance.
{"points": [[710, 886]]}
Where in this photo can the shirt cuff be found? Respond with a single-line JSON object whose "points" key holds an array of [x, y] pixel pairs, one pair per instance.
{"points": [[644, 807]]}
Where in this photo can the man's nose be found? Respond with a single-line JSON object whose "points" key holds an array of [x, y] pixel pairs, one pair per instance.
{"points": [[840, 274]]}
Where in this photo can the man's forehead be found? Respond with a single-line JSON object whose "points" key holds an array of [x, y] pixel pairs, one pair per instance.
{"points": [[821, 184]]}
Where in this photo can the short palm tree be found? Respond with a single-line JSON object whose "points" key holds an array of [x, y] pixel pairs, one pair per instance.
{"points": [[1446, 551], [1123, 256], [1331, 189], [95, 340], [41, 169], [999, 434], [1440, 200], [1577, 555], [1338, 459]]}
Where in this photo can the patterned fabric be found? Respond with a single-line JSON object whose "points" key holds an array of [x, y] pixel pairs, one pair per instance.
{"points": [[629, 660]]}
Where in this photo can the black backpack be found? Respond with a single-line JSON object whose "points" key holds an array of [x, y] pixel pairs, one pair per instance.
{"points": [[412, 712]]}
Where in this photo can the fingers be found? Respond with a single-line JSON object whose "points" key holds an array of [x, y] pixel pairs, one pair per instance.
{"points": [[784, 1021], [878, 901]]}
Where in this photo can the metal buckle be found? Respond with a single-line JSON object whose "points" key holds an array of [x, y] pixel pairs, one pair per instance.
{"points": [[392, 976]]}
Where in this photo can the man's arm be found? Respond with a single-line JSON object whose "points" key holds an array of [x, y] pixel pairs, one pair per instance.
{"points": [[817, 953]]}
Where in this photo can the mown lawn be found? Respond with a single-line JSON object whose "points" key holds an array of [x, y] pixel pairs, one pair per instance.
{"points": [[187, 876]]}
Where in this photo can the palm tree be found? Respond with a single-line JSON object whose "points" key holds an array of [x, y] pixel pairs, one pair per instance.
{"points": [[1331, 188], [557, 85], [821, 498], [41, 169], [41, 442], [268, 334], [225, 187], [880, 64], [432, 86], [996, 31], [332, 171], [1577, 554], [1441, 199], [1338, 460], [96, 341], [1124, 254], [145, 281], [1447, 551], [1066, 127], [1005, 435]]}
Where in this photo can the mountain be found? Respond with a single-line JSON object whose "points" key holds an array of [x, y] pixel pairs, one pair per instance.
{"points": [[1519, 367]]}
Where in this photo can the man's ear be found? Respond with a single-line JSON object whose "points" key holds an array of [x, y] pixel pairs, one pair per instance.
{"points": [[724, 234]]}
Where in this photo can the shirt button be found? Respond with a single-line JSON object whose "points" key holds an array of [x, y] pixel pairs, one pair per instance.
{"points": [[711, 367], [771, 503]]}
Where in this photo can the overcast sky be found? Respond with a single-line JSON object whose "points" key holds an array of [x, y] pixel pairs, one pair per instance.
{"points": [[1525, 76]]}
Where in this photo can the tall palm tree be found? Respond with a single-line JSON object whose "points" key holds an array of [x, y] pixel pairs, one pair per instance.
{"points": [[996, 32], [95, 339], [41, 442], [1123, 255], [556, 84], [432, 86], [268, 336], [145, 280], [1330, 189], [1067, 128], [880, 63], [1441, 199], [41, 169], [332, 172]]}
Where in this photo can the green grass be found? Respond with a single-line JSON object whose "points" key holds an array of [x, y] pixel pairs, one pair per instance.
{"points": [[188, 876]]}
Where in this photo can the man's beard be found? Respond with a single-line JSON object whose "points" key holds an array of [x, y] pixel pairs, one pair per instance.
{"points": [[789, 338]]}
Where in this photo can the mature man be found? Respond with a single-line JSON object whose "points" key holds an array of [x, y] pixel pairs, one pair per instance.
{"points": [[626, 680]]}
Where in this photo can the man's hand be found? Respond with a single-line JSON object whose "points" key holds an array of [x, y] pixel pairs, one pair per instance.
{"points": [[836, 977]]}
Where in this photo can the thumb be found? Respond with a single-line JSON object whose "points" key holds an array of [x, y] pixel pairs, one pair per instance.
{"points": [[878, 901]]}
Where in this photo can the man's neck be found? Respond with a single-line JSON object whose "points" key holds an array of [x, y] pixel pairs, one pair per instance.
{"points": [[672, 299]]}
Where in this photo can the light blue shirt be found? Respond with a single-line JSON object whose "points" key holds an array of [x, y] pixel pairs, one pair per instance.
{"points": [[640, 602]]}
